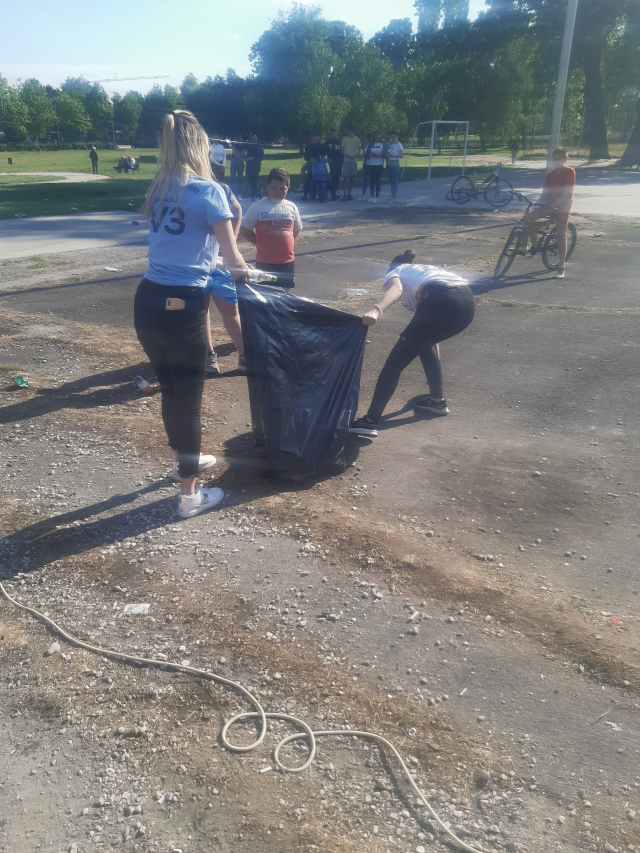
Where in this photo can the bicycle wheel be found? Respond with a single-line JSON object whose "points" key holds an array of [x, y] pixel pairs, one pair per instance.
{"points": [[550, 247], [499, 193], [462, 189], [510, 251]]}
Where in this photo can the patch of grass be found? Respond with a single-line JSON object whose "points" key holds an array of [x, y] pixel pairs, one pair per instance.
{"points": [[126, 192], [508, 304], [78, 161], [58, 199], [582, 605], [602, 667], [630, 224]]}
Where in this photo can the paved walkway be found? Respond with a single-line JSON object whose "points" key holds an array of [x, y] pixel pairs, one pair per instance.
{"points": [[41, 235], [62, 177], [597, 192]]}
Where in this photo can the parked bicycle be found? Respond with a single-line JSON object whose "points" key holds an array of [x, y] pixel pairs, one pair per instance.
{"points": [[543, 239], [495, 190]]}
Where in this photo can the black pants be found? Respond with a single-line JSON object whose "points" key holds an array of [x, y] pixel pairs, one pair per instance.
{"points": [[284, 272], [375, 176], [442, 312], [176, 345], [335, 167]]}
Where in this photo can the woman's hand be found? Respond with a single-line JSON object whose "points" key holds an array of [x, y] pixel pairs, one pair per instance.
{"points": [[371, 317]]}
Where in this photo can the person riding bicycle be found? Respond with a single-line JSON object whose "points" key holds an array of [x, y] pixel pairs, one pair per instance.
{"points": [[556, 200]]}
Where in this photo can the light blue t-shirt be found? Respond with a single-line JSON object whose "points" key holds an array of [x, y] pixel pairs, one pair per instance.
{"points": [[182, 246]]}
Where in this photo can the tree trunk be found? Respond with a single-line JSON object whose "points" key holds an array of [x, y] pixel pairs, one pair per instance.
{"points": [[595, 123], [631, 156]]}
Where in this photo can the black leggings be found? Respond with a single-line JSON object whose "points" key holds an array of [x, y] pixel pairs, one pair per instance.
{"points": [[176, 345], [442, 312], [375, 176]]}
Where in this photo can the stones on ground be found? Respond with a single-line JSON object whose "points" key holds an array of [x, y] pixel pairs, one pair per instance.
{"points": [[53, 649]]}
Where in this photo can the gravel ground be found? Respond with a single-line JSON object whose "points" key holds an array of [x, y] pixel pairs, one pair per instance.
{"points": [[512, 699]]}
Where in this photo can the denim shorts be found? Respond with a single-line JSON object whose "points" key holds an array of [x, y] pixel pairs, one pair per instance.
{"points": [[223, 288]]}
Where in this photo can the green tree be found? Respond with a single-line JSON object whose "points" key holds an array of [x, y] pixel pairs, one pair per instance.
{"points": [[14, 114], [370, 84], [100, 110], [72, 118], [156, 104], [77, 87], [126, 113], [188, 86], [41, 117], [293, 89], [396, 42]]}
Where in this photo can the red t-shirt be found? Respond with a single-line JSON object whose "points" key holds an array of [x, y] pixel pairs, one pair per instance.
{"points": [[554, 184], [274, 223]]}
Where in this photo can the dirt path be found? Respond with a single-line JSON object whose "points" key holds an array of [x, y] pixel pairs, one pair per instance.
{"points": [[64, 177]]}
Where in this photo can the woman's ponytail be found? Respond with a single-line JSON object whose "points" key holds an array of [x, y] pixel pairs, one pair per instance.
{"points": [[407, 257]]}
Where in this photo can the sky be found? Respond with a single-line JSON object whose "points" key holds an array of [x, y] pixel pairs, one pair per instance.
{"points": [[156, 37]]}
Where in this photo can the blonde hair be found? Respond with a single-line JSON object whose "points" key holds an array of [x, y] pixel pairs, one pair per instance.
{"points": [[183, 150]]}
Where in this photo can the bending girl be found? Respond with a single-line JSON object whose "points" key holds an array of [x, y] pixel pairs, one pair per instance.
{"points": [[444, 305], [189, 217]]}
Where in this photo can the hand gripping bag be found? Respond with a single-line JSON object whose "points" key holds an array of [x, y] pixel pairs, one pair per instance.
{"points": [[303, 370]]}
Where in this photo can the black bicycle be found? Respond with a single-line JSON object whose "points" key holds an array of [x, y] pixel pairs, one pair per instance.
{"points": [[543, 240], [496, 191]]}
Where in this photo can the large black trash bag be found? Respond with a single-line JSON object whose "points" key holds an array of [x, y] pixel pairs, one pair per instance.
{"points": [[303, 369]]}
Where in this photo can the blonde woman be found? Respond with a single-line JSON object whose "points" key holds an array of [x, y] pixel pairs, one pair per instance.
{"points": [[190, 218]]}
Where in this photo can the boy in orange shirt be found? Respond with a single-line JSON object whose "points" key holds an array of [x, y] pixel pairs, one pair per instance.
{"points": [[556, 200], [272, 224]]}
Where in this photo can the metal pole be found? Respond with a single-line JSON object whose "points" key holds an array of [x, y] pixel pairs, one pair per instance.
{"points": [[466, 137], [433, 131], [563, 73]]}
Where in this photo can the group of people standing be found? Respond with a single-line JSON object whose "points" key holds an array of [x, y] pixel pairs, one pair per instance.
{"points": [[192, 251], [244, 155], [342, 156]]}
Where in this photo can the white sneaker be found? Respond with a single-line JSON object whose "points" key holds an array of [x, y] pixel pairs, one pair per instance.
{"points": [[203, 463], [370, 200], [301, 188], [202, 501]]}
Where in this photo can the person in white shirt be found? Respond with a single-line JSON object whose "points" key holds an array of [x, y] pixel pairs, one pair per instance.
{"points": [[444, 306], [395, 153], [375, 163], [218, 156]]}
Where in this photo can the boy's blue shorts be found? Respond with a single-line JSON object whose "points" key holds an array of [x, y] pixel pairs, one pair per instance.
{"points": [[220, 285]]}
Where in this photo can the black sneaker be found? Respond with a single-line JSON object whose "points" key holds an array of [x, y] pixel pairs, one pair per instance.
{"points": [[429, 405], [363, 426]]}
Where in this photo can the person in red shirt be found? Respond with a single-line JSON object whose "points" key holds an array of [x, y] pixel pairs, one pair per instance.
{"points": [[556, 200], [272, 224]]}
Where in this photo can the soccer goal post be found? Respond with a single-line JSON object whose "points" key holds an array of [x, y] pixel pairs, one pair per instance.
{"points": [[433, 124]]}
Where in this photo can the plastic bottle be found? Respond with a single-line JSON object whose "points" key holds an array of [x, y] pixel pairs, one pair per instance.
{"points": [[256, 276], [356, 291], [142, 385]]}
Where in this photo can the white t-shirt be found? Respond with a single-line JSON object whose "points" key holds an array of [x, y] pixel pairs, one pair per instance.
{"points": [[217, 154], [376, 154], [413, 276], [277, 224], [396, 149]]}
